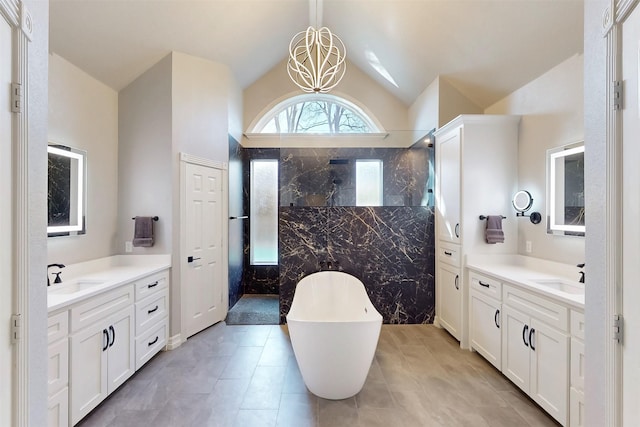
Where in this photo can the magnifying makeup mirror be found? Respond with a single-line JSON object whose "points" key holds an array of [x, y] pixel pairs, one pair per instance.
{"points": [[522, 202]]}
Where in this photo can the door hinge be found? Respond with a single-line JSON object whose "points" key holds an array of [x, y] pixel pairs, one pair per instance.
{"points": [[618, 328], [16, 328], [616, 94], [16, 98]]}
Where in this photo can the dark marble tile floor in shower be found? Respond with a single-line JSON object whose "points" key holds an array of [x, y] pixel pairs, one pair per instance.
{"points": [[247, 376]]}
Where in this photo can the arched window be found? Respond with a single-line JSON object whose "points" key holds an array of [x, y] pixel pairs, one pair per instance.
{"points": [[316, 114]]}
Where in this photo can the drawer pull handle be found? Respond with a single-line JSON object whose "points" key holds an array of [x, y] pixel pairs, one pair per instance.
{"points": [[153, 342], [486, 285], [524, 335], [495, 319], [456, 282], [447, 253], [152, 285], [113, 335], [152, 310], [531, 336]]}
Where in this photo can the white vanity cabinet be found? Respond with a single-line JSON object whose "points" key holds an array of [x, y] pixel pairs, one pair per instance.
{"points": [[102, 348], [576, 391], [476, 158], [485, 317], [58, 369], [152, 320], [535, 348]]}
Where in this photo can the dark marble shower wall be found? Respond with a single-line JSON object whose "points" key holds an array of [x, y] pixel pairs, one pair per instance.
{"points": [[326, 176], [391, 249], [236, 231]]}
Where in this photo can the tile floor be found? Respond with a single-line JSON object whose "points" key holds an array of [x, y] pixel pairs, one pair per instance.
{"points": [[246, 376]]}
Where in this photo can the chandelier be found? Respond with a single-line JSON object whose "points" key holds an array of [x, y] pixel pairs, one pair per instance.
{"points": [[316, 58]]}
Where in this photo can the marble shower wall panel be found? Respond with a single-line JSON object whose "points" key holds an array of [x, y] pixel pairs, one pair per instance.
{"points": [[326, 176], [236, 227], [391, 249]]}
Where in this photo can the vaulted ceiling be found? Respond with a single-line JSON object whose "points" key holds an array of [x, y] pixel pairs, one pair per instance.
{"points": [[485, 48]]}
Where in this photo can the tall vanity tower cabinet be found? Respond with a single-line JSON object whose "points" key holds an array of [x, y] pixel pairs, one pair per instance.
{"points": [[476, 174]]}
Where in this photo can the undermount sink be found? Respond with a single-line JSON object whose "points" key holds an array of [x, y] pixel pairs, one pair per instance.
{"points": [[560, 285], [76, 286]]}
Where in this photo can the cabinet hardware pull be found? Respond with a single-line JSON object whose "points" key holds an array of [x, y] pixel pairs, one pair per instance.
{"points": [[113, 335], [447, 253], [153, 342], [152, 285], [152, 310], [524, 335], [486, 285], [105, 339], [456, 282], [495, 318], [531, 336], [457, 229]]}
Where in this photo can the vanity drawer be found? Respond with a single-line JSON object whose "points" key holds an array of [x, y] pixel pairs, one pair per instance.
{"points": [[150, 310], [101, 306], [57, 366], [449, 253], [536, 306], [57, 326], [485, 284], [150, 343], [577, 324], [150, 284]]}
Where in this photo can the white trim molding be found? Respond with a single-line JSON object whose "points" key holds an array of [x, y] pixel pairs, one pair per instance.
{"points": [[188, 158], [18, 16], [174, 342], [613, 17]]}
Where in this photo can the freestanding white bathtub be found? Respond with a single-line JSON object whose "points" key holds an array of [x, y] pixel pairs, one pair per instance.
{"points": [[334, 332]]}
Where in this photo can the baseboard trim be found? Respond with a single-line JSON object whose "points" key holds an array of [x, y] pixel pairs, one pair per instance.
{"points": [[174, 342]]}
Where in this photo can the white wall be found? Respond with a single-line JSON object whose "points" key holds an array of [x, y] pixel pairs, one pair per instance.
{"points": [[597, 323], [437, 105], [83, 114], [144, 156], [357, 87], [36, 318], [552, 110]]}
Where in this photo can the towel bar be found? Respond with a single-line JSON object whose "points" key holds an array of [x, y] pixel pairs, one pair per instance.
{"points": [[155, 218], [483, 217]]}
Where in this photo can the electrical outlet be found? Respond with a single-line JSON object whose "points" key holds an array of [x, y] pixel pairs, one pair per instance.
{"points": [[528, 246], [128, 247]]}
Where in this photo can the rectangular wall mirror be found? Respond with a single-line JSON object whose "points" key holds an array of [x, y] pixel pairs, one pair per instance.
{"points": [[66, 190], [565, 190]]}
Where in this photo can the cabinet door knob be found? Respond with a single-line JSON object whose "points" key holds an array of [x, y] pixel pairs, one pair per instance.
{"points": [[495, 319], [524, 335]]}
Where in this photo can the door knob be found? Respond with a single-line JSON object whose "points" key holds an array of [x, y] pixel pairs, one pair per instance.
{"points": [[191, 259]]}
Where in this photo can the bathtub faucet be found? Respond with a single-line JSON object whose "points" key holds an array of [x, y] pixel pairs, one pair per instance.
{"points": [[329, 265]]}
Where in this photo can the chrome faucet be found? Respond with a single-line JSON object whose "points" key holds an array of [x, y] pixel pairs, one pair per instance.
{"points": [[57, 279], [581, 272]]}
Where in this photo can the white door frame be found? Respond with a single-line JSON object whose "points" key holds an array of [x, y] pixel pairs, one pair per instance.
{"points": [[181, 262], [19, 18], [613, 18]]}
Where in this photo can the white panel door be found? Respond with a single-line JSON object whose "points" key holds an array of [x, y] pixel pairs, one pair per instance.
{"points": [[549, 369], [203, 277], [515, 347], [6, 259], [484, 327], [448, 187], [450, 298], [631, 218]]}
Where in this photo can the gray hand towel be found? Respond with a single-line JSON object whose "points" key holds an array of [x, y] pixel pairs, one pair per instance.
{"points": [[494, 233], [143, 232]]}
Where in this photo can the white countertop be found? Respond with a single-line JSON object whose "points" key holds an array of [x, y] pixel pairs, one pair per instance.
{"points": [[104, 274], [524, 271]]}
